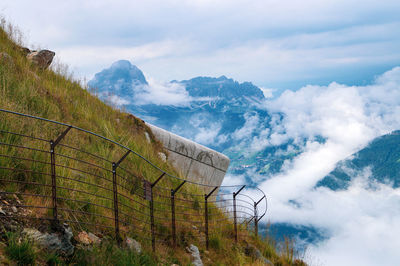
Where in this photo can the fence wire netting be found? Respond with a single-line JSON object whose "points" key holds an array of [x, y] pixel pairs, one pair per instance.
{"points": [[65, 174]]}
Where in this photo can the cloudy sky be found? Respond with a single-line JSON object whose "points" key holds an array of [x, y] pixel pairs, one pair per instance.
{"points": [[275, 44], [339, 58]]}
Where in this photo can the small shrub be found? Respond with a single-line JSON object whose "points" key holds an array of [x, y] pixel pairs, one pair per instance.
{"points": [[20, 250]]}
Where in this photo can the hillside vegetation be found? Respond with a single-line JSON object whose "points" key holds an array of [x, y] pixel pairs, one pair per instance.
{"points": [[55, 95]]}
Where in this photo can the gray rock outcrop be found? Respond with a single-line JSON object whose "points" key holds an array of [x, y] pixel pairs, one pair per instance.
{"points": [[57, 242], [195, 253], [42, 58]]}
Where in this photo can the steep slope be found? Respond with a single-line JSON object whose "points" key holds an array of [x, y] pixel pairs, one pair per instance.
{"points": [[380, 161]]}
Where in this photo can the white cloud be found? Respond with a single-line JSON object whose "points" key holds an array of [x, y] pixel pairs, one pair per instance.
{"points": [[118, 101], [348, 118], [248, 128], [268, 93], [159, 93], [209, 134]]}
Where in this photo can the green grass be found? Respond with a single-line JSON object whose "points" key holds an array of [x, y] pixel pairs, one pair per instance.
{"points": [[20, 250], [110, 254]]}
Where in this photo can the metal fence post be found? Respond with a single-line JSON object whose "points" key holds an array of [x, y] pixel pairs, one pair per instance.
{"points": [[115, 192], [173, 227], [234, 212], [153, 237], [53, 145], [152, 226], [256, 219], [206, 196], [53, 181], [173, 191]]}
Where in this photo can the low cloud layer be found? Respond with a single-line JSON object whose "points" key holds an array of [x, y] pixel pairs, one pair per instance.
{"points": [[361, 222], [163, 94]]}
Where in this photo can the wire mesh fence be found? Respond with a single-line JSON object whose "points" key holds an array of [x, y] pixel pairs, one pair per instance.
{"points": [[71, 175]]}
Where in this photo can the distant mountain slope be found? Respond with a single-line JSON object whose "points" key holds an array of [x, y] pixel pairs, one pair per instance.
{"points": [[221, 87], [381, 159]]}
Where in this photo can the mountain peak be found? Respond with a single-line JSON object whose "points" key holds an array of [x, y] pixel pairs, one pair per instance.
{"points": [[123, 64], [121, 75]]}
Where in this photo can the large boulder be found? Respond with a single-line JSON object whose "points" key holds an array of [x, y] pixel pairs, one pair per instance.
{"points": [[59, 242], [42, 58], [195, 253]]}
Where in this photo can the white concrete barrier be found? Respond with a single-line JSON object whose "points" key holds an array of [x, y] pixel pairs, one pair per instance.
{"points": [[196, 162]]}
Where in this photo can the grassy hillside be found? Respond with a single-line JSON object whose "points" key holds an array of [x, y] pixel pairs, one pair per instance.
{"points": [[55, 95]]}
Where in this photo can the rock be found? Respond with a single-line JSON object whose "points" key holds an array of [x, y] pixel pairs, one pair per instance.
{"points": [[132, 244], [14, 209], [42, 58], [255, 253], [59, 242], [95, 239], [195, 253], [162, 156], [83, 238]]}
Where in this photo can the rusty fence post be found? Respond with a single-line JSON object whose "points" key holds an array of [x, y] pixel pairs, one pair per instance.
{"points": [[234, 212], [206, 196], [115, 193], [152, 225], [256, 219], [173, 192], [53, 145]]}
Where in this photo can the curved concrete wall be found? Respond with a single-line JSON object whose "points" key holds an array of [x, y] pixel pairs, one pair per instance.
{"points": [[196, 162]]}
